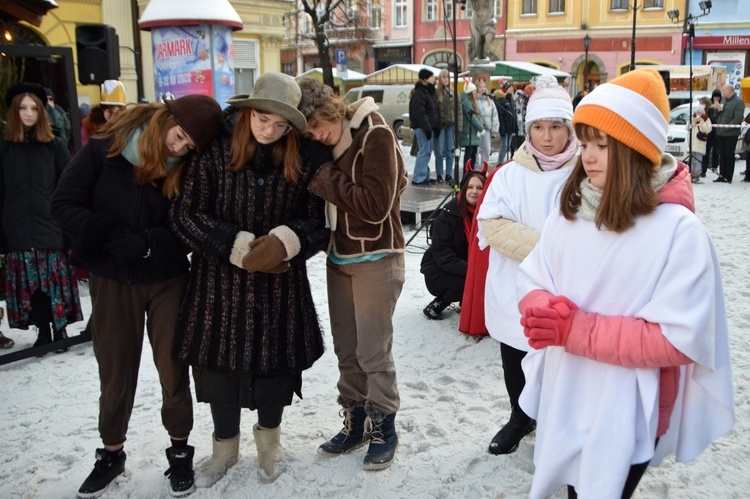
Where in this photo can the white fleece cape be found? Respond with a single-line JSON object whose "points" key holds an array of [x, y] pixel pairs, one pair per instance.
{"points": [[594, 419], [525, 196]]}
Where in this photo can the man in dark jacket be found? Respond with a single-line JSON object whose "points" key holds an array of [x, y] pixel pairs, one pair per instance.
{"points": [[732, 111], [506, 112], [423, 115]]}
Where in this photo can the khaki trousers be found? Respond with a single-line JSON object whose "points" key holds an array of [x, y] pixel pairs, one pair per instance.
{"points": [[120, 312], [361, 300]]}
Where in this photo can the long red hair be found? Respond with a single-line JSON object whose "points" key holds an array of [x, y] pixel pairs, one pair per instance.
{"points": [[285, 150]]}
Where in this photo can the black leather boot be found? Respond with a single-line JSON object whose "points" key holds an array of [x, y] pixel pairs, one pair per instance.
{"points": [[507, 439], [44, 335], [61, 335]]}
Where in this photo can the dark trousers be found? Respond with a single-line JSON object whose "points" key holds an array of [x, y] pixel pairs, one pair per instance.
{"points": [[470, 153], [634, 477], [711, 158], [448, 288], [631, 482], [120, 312], [227, 419], [512, 372], [726, 156]]}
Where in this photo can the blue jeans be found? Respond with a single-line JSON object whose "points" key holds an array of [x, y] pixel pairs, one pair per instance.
{"points": [[444, 151], [504, 141], [422, 165]]}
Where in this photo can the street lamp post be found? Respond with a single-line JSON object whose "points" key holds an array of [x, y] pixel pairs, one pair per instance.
{"points": [[632, 41], [586, 45]]}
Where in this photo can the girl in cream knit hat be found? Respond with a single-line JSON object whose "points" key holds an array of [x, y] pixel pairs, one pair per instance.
{"points": [[517, 201], [623, 307]]}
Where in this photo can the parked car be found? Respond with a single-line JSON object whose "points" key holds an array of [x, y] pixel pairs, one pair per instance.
{"points": [[392, 101]]}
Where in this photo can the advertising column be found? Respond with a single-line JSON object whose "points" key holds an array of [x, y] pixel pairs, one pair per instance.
{"points": [[193, 60]]}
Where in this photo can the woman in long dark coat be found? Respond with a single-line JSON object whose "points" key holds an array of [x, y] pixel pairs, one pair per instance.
{"points": [[248, 324]]}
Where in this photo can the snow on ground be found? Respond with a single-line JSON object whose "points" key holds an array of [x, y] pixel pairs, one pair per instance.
{"points": [[453, 402]]}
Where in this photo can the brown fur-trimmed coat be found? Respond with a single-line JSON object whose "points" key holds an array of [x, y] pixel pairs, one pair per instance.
{"points": [[364, 186], [238, 322]]}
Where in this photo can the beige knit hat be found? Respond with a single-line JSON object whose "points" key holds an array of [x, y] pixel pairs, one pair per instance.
{"points": [[112, 93], [633, 109]]}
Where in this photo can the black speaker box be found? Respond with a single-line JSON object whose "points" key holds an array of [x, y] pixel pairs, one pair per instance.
{"points": [[98, 50]]}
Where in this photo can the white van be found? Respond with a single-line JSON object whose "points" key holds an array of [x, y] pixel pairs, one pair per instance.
{"points": [[392, 101]]}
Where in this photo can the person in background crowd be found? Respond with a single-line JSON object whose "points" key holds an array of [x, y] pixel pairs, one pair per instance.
{"points": [[252, 224], [731, 112], [472, 127], [746, 147], [365, 265], [113, 201], [700, 128], [444, 263], [424, 119], [112, 99], [506, 111], [512, 212], [40, 286], [579, 95], [444, 141], [490, 121], [630, 356], [58, 118], [711, 158]]}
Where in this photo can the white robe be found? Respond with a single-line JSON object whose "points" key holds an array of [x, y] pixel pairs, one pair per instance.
{"points": [[525, 196], [594, 420]]}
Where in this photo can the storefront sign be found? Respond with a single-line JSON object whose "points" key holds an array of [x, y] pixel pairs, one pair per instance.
{"points": [[395, 54], [722, 42]]}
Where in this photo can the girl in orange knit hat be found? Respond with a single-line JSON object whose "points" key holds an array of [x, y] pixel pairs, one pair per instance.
{"points": [[623, 306]]}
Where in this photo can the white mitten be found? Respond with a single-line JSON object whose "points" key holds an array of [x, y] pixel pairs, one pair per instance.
{"points": [[480, 133]]}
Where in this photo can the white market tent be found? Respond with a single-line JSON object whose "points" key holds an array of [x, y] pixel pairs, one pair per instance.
{"points": [[400, 74]]}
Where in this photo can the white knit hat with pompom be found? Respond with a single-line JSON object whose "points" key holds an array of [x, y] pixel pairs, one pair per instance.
{"points": [[549, 102]]}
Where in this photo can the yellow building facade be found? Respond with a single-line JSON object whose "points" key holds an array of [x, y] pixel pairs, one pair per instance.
{"points": [[554, 38]]}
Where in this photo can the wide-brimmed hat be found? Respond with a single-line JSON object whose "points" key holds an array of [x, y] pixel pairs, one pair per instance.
{"points": [[276, 93], [25, 88]]}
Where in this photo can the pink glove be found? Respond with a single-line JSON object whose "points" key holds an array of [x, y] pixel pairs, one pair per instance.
{"points": [[549, 326]]}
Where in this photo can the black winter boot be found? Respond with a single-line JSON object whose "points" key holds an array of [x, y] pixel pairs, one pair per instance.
{"points": [[352, 435], [180, 472], [507, 439], [61, 335], [383, 439], [44, 335], [108, 465], [433, 310]]}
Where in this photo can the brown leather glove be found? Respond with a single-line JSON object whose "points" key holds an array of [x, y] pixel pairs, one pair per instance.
{"points": [[279, 269], [266, 254]]}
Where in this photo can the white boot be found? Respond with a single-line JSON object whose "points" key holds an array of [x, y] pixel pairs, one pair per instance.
{"points": [[270, 459], [225, 454]]}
